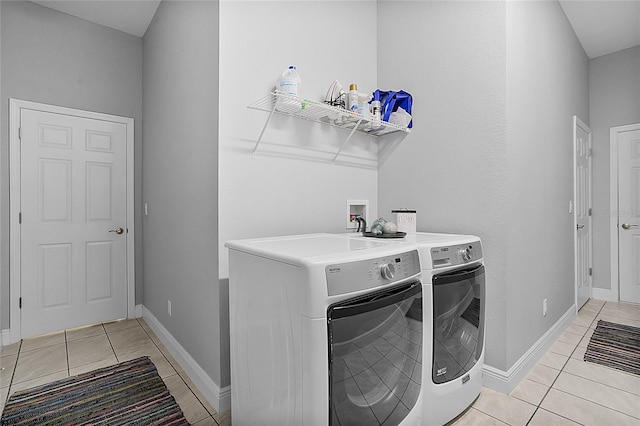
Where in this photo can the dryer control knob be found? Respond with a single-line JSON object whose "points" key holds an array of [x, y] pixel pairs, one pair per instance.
{"points": [[388, 271], [465, 253]]}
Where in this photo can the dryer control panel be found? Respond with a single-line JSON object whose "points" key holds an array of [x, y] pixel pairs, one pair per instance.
{"points": [[348, 277], [456, 255]]}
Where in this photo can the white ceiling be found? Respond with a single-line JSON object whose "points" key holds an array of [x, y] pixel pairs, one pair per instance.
{"points": [[602, 26], [130, 16]]}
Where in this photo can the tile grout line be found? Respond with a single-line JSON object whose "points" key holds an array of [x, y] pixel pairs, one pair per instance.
{"points": [[13, 373], [68, 369], [159, 350], [66, 349], [591, 402], [486, 414], [110, 344], [585, 378], [178, 374], [603, 384], [556, 414], [538, 407]]}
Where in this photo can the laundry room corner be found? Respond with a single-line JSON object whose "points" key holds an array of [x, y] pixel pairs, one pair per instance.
{"points": [[288, 186], [180, 96], [4, 171], [453, 169], [490, 152]]}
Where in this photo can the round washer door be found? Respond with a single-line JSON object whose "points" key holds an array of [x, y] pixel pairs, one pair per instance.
{"points": [[375, 365]]}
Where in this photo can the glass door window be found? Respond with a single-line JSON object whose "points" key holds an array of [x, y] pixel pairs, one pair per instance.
{"points": [[458, 322], [375, 356]]}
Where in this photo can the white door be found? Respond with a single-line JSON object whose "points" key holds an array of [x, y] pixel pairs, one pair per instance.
{"points": [[582, 213], [73, 193], [629, 215]]}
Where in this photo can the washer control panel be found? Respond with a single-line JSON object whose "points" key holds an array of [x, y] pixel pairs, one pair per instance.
{"points": [[348, 277], [455, 255]]}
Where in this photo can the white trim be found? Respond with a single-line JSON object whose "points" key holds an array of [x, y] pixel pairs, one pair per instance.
{"points": [[139, 311], [604, 294], [613, 206], [14, 227], [219, 398], [15, 105], [579, 123], [574, 216], [506, 381], [5, 337]]}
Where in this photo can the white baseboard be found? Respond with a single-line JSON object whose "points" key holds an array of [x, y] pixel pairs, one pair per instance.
{"points": [[603, 294], [5, 337], [506, 381], [137, 311], [219, 398]]}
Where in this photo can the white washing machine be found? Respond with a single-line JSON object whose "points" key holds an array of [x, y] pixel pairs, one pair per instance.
{"points": [[453, 281], [325, 330]]}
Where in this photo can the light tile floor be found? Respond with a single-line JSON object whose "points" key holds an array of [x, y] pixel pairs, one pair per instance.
{"points": [[561, 389], [41, 360]]}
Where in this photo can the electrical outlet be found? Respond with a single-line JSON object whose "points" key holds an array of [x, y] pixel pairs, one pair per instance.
{"points": [[169, 307], [544, 308], [356, 208]]}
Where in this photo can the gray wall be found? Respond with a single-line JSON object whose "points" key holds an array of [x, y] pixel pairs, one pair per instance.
{"points": [[614, 83], [452, 167], [547, 84], [3, 165], [54, 58], [180, 178], [495, 88]]}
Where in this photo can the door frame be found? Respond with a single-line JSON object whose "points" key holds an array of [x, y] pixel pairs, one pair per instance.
{"points": [[15, 105], [579, 123], [613, 205]]}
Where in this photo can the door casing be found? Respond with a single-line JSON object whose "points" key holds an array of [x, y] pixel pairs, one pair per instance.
{"points": [[15, 105], [577, 123]]}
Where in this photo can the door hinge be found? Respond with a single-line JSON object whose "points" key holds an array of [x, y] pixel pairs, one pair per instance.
{"points": [[20, 133], [589, 211], [590, 271], [20, 303], [19, 217]]}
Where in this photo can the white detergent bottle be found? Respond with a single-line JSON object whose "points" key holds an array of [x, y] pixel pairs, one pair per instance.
{"points": [[288, 84], [352, 98]]}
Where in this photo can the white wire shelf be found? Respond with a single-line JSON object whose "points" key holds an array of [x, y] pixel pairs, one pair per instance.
{"points": [[320, 112]]}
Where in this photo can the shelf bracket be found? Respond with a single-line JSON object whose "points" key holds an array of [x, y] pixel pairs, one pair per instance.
{"points": [[255, 148], [346, 140]]}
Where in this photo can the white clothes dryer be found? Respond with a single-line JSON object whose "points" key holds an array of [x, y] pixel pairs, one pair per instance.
{"points": [[325, 331]]}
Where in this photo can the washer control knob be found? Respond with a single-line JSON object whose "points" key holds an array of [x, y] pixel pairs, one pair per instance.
{"points": [[388, 271], [465, 253]]}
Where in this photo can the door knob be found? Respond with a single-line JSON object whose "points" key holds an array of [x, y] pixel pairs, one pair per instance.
{"points": [[117, 231], [628, 226], [579, 226]]}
